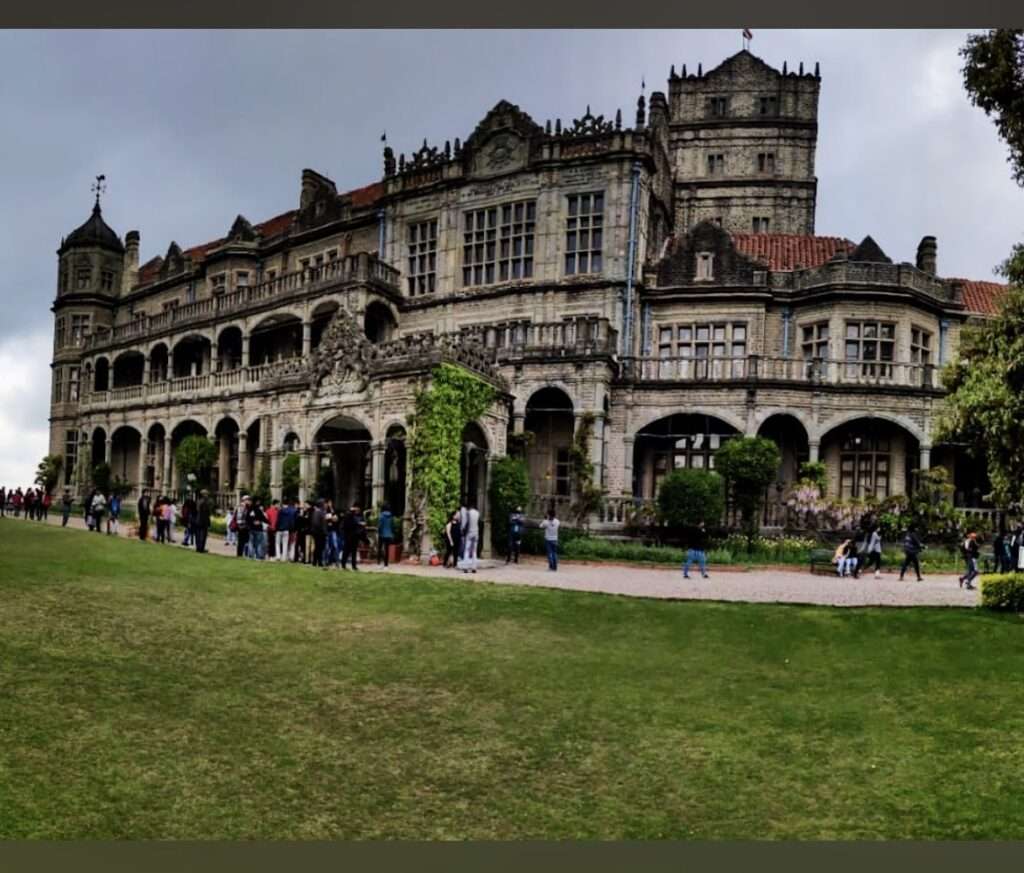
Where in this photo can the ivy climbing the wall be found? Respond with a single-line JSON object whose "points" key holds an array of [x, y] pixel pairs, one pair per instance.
{"points": [[454, 398]]}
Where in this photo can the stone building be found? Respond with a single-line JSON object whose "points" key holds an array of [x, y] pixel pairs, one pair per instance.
{"points": [[662, 274]]}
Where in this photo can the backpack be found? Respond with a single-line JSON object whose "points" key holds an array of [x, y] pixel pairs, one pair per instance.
{"points": [[233, 525]]}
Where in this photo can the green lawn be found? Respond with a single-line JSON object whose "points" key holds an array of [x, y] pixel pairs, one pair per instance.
{"points": [[149, 692]]}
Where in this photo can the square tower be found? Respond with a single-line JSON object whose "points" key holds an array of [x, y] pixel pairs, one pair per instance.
{"points": [[742, 142]]}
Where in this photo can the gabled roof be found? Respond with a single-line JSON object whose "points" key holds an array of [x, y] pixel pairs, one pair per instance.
{"points": [[869, 252], [744, 58], [982, 297], [784, 251]]}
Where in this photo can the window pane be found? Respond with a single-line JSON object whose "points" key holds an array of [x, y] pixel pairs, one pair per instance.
{"points": [[852, 331]]}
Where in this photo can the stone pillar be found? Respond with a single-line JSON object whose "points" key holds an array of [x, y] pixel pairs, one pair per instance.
{"points": [[597, 448], [145, 369], [305, 474], [245, 350], [377, 473], [276, 462], [926, 458], [518, 422], [168, 456], [108, 450], [224, 462], [143, 445], [243, 461], [627, 465], [812, 451], [307, 338], [485, 510]]}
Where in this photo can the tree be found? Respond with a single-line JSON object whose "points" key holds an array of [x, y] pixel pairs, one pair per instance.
{"points": [[985, 406], [101, 477], [509, 488], [196, 455], [749, 465], [291, 479], [261, 490], [48, 472], [688, 497]]}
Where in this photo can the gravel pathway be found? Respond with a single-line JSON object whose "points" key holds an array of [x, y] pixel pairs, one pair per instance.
{"points": [[735, 585]]}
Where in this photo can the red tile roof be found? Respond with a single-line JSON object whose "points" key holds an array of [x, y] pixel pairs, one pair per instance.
{"points": [[785, 251], [360, 197], [982, 297]]}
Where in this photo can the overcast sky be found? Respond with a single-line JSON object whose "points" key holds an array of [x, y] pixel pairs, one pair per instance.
{"points": [[193, 127]]}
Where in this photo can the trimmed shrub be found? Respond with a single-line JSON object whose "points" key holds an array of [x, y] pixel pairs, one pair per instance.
{"points": [[510, 487], [1003, 592], [688, 497]]}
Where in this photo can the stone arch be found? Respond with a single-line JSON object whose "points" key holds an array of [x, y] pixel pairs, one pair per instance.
{"points": [[649, 417], [276, 336], [355, 416], [101, 373], [379, 323], [345, 442], [525, 392], [870, 455], [685, 438], [127, 368], [832, 424], [126, 447], [191, 354], [549, 416]]}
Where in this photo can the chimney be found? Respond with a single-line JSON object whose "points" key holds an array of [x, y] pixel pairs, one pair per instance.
{"points": [[927, 255], [130, 272]]}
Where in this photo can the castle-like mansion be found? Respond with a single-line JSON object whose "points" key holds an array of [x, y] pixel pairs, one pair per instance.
{"points": [[660, 272]]}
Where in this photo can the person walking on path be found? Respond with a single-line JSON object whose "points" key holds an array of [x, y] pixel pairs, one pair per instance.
{"points": [[65, 507], [516, 522], [114, 519], [550, 527], [99, 509], [87, 508], [911, 553], [970, 552], [353, 529], [385, 534], [453, 539], [201, 529], [696, 552], [472, 539], [873, 551], [188, 514], [142, 507]]}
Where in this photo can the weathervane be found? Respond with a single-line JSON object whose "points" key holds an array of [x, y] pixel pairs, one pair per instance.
{"points": [[99, 186]]}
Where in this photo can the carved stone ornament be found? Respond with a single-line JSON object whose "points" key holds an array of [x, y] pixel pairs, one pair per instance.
{"points": [[590, 125], [341, 363]]}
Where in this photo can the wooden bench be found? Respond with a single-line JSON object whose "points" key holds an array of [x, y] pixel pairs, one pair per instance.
{"points": [[822, 563]]}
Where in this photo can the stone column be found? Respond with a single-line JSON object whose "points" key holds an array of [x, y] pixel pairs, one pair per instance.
{"points": [[245, 350], [485, 509], [812, 451], [108, 450], [518, 422], [627, 465], [143, 445], [305, 474], [145, 369], [377, 473], [307, 338], [597, 448], [243, 461], [926, 458], [224, 462], [166, 482], [276, 462]]}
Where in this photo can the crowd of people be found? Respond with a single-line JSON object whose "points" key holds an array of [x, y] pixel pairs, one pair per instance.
{"points": [[33, 502]]}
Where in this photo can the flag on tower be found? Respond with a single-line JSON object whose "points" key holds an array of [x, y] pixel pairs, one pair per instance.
{"points": [[748, 33]]}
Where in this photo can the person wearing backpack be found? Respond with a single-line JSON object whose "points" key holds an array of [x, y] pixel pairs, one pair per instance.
{"points": [[873, 550], [970, 553], [911, 553]]}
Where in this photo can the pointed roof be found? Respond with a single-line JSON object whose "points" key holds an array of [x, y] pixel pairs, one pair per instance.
{"points": [[869, 252], [741, 59], [94, 232], [504, 116]]}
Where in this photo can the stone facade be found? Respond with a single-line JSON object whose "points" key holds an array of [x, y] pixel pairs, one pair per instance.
{"points": [[593, 266]]}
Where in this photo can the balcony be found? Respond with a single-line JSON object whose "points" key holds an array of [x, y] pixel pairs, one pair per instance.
{"points": [[755, 368], [354, 268], [570, 338]]}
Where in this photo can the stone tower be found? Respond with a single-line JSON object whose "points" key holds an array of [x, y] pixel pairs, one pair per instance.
{"points": [[89, 280], [743, 137]]}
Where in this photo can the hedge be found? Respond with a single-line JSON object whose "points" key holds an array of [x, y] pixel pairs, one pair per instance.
{"points": [[1003, 592]]}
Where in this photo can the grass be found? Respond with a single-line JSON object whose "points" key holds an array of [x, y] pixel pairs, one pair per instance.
{"points": [[155, 693]]}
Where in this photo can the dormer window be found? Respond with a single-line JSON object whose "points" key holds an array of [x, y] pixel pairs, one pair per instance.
{"points": [[242, 279], [705, 266], [83, 278], [218, 284], [761, 224]]}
